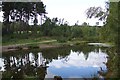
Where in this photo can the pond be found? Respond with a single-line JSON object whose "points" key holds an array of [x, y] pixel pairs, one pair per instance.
{"points": [[68, 62]]}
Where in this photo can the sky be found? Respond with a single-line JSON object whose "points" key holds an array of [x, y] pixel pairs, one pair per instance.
{"points": [[71, 10]]}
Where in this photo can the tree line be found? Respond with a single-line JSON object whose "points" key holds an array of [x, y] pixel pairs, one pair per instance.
{"points": [[18, 14], [21, 12]]}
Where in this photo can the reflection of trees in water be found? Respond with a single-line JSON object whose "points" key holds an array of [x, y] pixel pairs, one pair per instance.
{"points": [[65, 52], [20, 67], [66, 59], [60, 53], [113, 64]]}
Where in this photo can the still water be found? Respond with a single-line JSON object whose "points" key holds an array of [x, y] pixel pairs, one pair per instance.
{"points": [[68, 62]]}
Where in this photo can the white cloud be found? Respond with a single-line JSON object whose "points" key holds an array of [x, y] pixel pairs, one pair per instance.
{"points": [[72, 10]]}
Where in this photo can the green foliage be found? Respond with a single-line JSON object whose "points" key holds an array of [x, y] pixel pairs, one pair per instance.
{"points": [[76, 32], [16, 11], [20, 29], [62, 33], [91, 33], [109, 32], [62, 39]]}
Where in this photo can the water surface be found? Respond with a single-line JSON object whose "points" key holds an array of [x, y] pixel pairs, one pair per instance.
{"points": [[68, 62]]}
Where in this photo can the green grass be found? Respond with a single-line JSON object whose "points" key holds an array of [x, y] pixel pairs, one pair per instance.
{"points": [[27, 41], [42, 40], [33, 43]]}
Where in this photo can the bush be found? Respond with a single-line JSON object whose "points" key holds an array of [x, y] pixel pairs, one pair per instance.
{"points": [[62, 39], [33, 46]]}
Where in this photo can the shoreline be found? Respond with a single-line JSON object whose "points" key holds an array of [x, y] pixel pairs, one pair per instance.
{"points": [[39, 45], [47, 44], [27, 47]]}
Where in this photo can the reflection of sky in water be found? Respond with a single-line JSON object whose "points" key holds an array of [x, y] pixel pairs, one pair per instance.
{"points": [[76, 65], [31, 59]]}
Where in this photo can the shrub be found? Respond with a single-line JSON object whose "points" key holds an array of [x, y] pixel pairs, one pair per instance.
{"points": [[62, 39]]}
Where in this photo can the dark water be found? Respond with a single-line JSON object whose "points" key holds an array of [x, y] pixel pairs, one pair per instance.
{"points": [[68, 62]]}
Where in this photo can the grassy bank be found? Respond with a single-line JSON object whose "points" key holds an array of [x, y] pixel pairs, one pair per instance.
{"points": [[41, 42], [15, 41], [44, 42]]}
